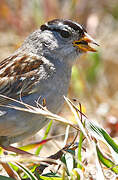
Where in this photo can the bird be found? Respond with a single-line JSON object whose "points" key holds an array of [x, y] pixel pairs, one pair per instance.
{"points": [[40, 67]]}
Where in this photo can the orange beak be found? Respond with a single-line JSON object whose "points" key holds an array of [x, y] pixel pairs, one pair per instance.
{"points": [[83, 43]]}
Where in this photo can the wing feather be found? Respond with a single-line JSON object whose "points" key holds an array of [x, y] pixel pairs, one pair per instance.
{"points": [[18, 74]]}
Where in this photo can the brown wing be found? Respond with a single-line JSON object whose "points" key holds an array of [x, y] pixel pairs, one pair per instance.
{"points": [[18, 74]]}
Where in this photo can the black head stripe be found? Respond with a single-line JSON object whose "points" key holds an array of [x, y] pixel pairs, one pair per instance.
{"points": [[47, 26], [72, 25], [53, 25], [55, 21], [44, 27]]}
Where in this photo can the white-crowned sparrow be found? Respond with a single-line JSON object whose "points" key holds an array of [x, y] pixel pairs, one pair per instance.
{"points": [[41, 67]]}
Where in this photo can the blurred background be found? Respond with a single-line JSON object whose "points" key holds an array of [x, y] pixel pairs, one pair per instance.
{"points": [[94, 80]]}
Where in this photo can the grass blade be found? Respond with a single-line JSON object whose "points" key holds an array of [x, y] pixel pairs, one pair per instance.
{"points": [[107, 162], [45, 136]]}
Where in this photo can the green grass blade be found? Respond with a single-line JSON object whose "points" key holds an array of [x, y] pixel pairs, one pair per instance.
{"points": [[107, 162], [45, 136], [79, 150], [102, 135], [5, 178], [49, 178], [26, 171]]}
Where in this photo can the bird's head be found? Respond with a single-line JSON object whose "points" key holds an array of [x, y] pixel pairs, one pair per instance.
{"points": [[65, 39]]}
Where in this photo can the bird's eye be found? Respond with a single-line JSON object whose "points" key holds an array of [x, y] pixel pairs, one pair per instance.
{"points": [[64, 34]]}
